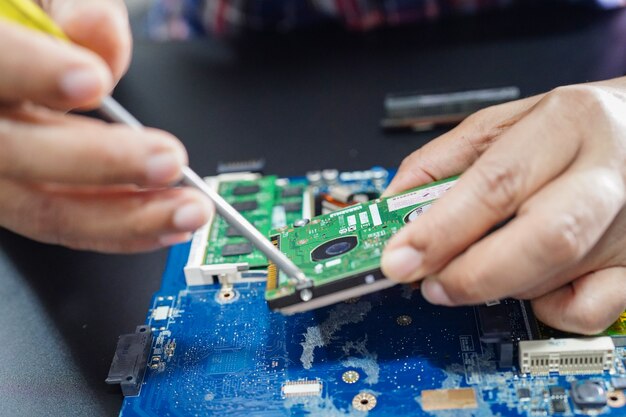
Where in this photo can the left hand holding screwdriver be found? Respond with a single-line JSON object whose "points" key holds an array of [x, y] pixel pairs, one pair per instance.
{"points": [[72, 180]]}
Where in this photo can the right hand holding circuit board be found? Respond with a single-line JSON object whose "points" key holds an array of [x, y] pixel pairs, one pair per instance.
{"points": [[557, 163]]}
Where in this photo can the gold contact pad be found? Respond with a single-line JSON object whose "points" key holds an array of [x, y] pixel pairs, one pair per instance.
{"points": [[449, 399]]}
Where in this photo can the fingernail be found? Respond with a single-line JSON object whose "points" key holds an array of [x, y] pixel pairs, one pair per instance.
{"points": [[190, 217], [81, 84], [401, 264], [433, 292], [175, 238], [163, 168]]}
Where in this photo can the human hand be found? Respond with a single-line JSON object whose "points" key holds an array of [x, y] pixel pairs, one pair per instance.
{"points": [[557, 163], [72, 180]]}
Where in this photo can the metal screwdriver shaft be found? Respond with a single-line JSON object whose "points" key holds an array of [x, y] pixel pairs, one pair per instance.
{"points": [[113, 111], [29, 14]]}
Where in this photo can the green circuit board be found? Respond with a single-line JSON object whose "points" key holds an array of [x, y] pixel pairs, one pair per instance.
{"points": [[334, 247], [255, 200]]}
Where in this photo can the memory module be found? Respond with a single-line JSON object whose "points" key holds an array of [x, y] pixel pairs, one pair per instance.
{"points": [[219, 252], [340, 251]]}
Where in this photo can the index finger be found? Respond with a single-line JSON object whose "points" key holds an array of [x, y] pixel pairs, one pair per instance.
{"points": [[455, 151], [99, 25]]}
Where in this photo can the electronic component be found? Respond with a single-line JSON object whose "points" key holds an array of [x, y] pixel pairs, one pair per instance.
{"points": [[364, 401], [449, 399], [237, 249], [291, 192], [233, 232], [305, 388], [293, 206], [130, 360], [251, 165], [619, 382], [523, 394], [335, 247], [616, 399], [350, 377], [211, 257], [404, 320], [588, 394], [246, 189], [301, 222], [423, 111], [566, 356], [340, 252], [558, 405], [556, 391], [249, 205], [503, 324]]}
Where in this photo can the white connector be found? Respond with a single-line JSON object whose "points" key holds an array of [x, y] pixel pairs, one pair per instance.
{"points": [[593, 355]]}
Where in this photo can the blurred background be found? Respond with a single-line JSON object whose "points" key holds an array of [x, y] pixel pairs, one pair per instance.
{"points": [[138, 7]]}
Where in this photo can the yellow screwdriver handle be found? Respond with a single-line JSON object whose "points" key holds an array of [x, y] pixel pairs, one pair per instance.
{"points": [[27, 13]]}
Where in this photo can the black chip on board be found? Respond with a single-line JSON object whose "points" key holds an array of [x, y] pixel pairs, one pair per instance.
{"points": [[558, 406], [246, 189], [293, 206], [246, 205], [291, 192], [236, 249], [232, 232], [523, 394]]}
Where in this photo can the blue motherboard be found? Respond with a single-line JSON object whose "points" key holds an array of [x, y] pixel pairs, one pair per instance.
{"points": [[385, 354]]}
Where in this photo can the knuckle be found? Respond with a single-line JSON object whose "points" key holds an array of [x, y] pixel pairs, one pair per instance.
{"points": [[139, 228], [482, 128], [409, 163], [417, 167], [586, 100], [498, 187], [47, 219], [119, 162], [561, 241], [8, 148], [139, 220], [478, 120]]}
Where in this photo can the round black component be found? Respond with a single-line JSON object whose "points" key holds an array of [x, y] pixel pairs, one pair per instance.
{"points": [[589, 394], [338, 248], [335, 247]]}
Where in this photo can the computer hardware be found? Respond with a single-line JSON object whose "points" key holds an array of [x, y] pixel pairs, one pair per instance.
{"points": [[215, 348]]}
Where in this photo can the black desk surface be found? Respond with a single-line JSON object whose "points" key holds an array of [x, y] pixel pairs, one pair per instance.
{"points": [[302, 102]]}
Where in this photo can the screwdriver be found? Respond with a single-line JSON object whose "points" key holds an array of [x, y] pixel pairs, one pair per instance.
{"points": [[28, 14]]}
